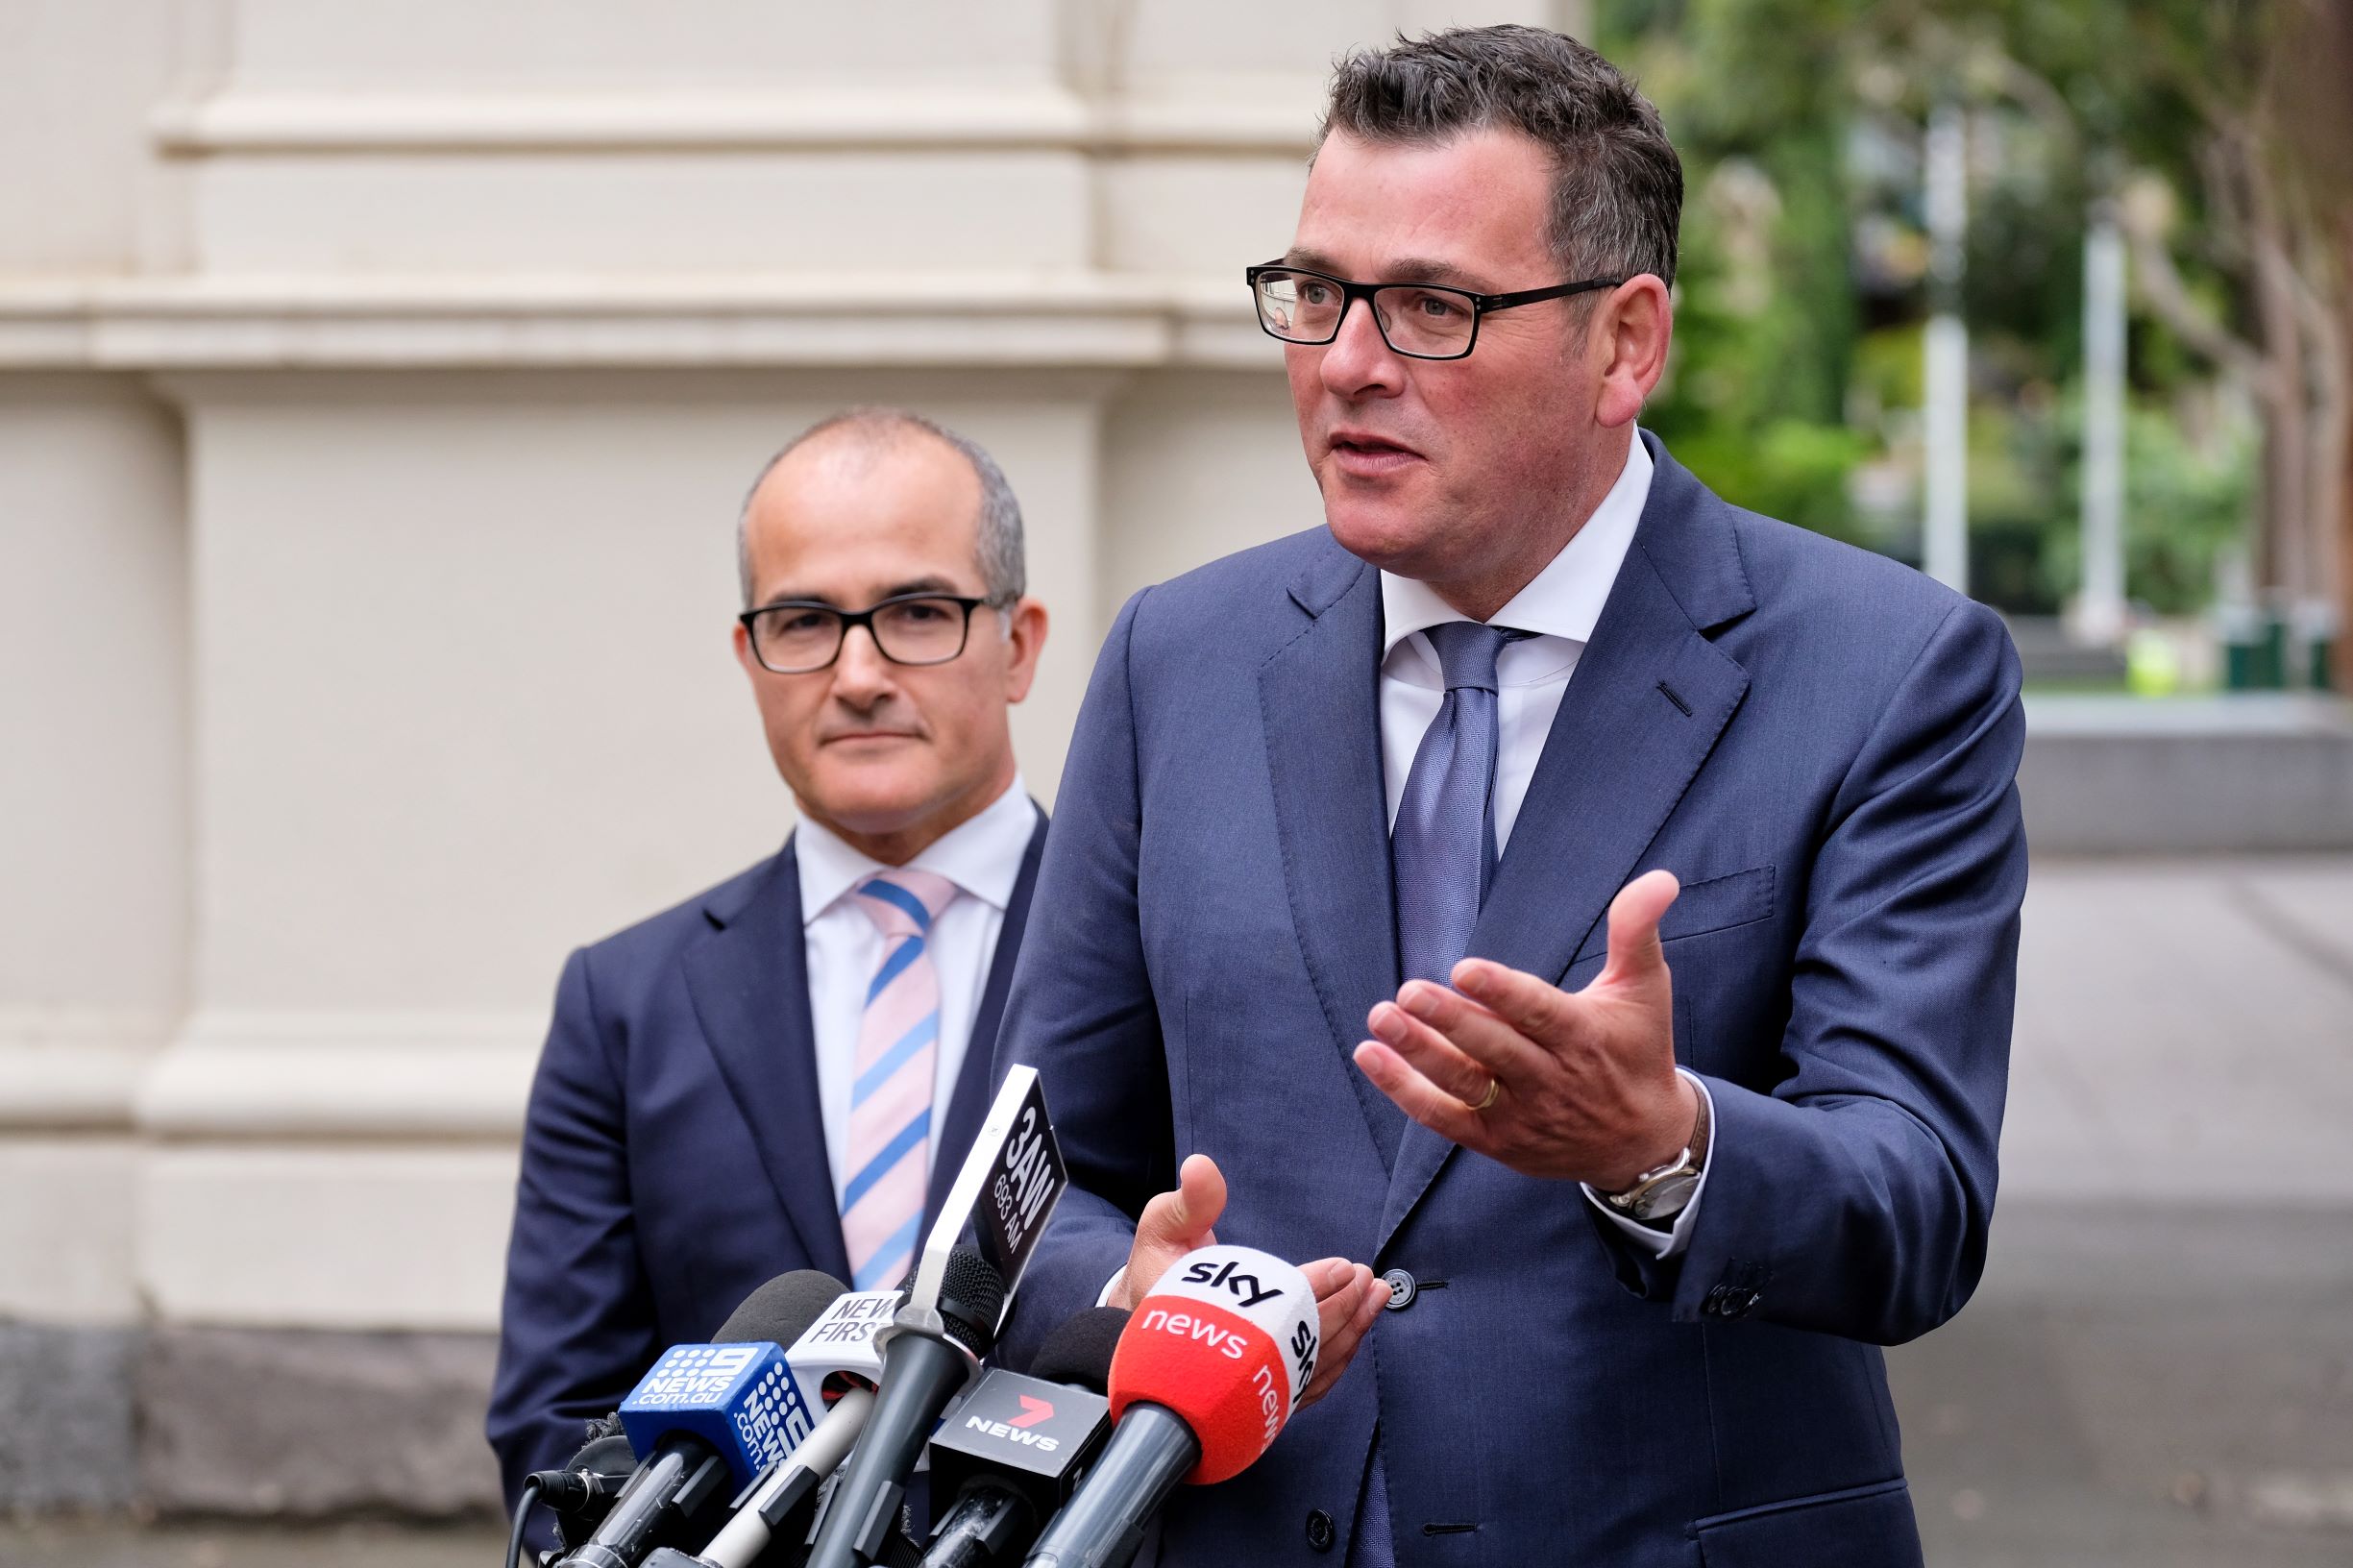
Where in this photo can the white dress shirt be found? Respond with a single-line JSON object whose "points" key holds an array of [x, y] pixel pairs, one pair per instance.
{"points": [[983, 858], [1560, 605]]}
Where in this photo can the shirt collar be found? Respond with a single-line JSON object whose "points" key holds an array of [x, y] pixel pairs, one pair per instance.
{"points": [[981, 856], [1565, 598]]}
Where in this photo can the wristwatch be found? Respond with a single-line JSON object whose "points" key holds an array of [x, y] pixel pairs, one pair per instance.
{"points": [[1659, 1195]]}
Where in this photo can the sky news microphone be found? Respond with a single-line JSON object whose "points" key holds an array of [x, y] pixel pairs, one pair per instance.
{"points": [[928, 1355], [708, 1419], [1206, 1372], [1009, 1454]]}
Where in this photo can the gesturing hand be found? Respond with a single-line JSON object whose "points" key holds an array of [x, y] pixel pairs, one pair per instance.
{"points": [[1573, 1085], [1347, 1296]]}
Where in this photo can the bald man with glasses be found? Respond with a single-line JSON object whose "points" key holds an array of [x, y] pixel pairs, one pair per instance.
{"points": [[784, 1071]]}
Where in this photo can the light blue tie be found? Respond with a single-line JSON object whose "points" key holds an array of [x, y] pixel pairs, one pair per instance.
{"points": [[1443, 846], [1442, 851]]}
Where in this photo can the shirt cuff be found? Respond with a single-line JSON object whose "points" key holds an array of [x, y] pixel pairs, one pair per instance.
{"points": [[1668, 1243], [1114, 1287]]}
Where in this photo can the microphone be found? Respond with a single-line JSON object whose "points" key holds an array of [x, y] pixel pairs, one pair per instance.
{"points": [[835, 1362], [928, 1356], [1004, 1193], [1206, 1374], [840, 1350], [710, 1416], [1013, 1449], [581, 1493]]}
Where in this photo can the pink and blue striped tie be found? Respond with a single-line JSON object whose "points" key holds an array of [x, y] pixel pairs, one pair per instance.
{"points": [[890, 1099]]}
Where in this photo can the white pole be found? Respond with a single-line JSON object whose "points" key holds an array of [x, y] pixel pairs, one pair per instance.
{"points": [[1945, 532], [2099, 610]]}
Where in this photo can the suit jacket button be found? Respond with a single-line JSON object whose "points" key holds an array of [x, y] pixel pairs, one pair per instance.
{"points": [[1321, 1533], [1402, 1289]]}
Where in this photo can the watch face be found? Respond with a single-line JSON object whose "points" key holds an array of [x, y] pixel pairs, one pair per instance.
{"points": [[1666, 1198]]}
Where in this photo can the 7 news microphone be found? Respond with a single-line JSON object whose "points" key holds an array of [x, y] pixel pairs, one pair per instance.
{"points": [[708, 1419], [1009, 1456], [1206, 1371]]}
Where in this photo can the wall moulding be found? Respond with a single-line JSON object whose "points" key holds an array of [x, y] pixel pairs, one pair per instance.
{"points": [[243, 1076], [1085, 321], [74, 1070], [1255, 119]]}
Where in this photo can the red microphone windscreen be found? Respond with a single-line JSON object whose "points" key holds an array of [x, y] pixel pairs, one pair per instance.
{"points": [[1226, 1340]]}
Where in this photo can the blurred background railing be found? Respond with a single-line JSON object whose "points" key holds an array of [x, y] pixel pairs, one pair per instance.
{"points": [[376, 388]]}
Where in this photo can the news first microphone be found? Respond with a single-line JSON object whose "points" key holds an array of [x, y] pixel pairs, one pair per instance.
{"points": [[1206, 1374], [1009, 1454], [707, 1418], [836, 1364]]}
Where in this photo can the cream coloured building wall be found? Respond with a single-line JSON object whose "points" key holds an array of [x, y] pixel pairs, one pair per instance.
{"points": [[377, 387]]}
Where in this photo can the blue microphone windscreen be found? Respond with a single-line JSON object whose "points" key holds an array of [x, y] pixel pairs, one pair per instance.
{"points": [[740, 1399]]}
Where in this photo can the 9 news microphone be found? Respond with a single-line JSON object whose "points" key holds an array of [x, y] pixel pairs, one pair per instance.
{"points": [[1014, 1449], [926, 1357], [1206, 1372], [836, 1364], [709, 1417]]}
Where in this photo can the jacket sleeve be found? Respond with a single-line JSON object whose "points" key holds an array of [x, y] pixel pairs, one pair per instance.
{"points": [[1082, 1010], [1855, 1198], [577, 1328]]}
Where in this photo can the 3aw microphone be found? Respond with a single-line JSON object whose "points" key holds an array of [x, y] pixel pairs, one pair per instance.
{"points": [[1004, 1193], [928, 1356], [1208, 1370], [707, 1418], [1009, 1454]]}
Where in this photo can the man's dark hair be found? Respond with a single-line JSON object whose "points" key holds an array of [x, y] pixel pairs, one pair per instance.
{"points": [[1617, 184]]}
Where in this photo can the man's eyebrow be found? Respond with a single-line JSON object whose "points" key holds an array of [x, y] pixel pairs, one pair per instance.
{"points": [[1411, 269], [913, 585]]}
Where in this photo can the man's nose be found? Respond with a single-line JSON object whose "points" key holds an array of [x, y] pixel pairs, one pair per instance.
{"points": [[861, 674], [1359, 362]]}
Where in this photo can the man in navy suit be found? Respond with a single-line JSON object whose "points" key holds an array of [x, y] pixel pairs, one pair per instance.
{"points": [[1591, 904], [785, 1071]]}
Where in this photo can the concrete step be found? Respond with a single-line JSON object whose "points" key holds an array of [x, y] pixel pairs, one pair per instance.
{"points": [[2169, 775]]}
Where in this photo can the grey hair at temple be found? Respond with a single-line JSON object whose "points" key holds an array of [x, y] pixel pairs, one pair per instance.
{"points": [[1003, 573]]}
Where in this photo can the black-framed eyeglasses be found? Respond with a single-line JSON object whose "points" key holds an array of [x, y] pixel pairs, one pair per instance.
{"points": [[799, 636], [1421, 320]]}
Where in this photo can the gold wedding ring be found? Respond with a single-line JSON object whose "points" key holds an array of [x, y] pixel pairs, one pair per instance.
{"points": [[1495, 1087]]}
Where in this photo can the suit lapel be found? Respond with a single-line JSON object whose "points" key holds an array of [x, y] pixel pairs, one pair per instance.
{"points": [[750, 988], [976, 1079], [1320, 704], [1621, 753]]}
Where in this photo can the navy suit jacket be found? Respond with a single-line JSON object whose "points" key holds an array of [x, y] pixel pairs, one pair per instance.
{"points": [[1820, 744], [673, 1156]]}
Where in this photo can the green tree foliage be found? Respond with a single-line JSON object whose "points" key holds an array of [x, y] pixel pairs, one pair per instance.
{"points": [[1795, 386]]}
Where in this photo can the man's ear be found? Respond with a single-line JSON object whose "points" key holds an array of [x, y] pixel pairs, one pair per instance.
{"points": [[1026, 635], [1631, 330]]}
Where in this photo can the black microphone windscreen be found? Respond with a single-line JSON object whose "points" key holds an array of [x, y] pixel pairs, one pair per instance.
{"points": [[782, 1309], [1079, 1353], [972, 1299]]}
